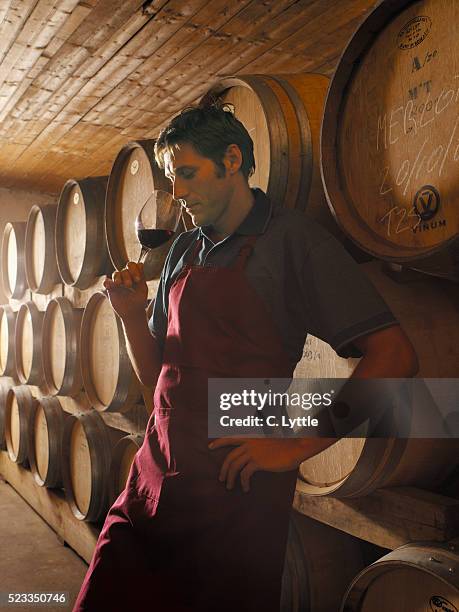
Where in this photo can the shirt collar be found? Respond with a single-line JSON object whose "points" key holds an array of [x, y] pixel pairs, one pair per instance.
{"points": [[257, 219]]}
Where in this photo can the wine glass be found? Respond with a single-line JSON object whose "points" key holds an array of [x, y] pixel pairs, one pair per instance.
{"points": [[157, 221]]}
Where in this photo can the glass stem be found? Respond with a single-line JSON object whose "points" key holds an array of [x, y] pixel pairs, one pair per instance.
{"points": [[143, 252]]}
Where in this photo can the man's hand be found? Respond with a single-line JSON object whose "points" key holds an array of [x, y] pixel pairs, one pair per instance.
{"points": [[128, 291], [267, 454]]}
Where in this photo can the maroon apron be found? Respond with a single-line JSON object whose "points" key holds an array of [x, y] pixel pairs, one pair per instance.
{"points": [[176, 539]]}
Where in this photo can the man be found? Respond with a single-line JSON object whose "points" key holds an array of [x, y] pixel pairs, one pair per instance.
{"points": [[203, 526]]}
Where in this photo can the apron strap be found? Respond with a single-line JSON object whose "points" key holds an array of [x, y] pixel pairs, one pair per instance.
{"points": [[245, 252]]}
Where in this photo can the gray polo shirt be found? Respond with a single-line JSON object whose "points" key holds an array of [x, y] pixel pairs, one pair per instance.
{"points": [[306, 279]]}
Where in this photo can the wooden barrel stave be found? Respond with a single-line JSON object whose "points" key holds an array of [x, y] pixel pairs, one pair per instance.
{"points": [[12, 260], [109, 380], [28, 343], [45, 442], [40, 255], [3, 394], [7, 346], [61, 347], [20, 408]]}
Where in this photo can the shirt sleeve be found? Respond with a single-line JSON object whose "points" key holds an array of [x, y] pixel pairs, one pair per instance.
{"points": [[343, 304]]}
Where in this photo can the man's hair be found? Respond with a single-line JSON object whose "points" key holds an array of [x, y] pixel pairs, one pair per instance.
{"points": [[210, 127]]}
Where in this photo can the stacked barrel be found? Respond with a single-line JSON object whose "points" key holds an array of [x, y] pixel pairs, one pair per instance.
{"points": [[71, 407], [361, 161], [389, 149]]}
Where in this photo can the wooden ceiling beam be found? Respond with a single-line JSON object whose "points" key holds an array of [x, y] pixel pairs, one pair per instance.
{"points": [[167, 55], [13, 20], [305, 43], [247, 35], [4, 8], [39, 29], [117, 67], [243, 18], [102, 24], [172, 15], [78, 56], [247, 22], [78, 83]]}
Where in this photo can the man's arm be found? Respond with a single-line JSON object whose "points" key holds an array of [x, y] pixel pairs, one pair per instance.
{"points": [[387, 353], [128, 291], [143, 349]]}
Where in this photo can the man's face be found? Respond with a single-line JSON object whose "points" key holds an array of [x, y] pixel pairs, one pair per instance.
{"points": [[198, 184]]}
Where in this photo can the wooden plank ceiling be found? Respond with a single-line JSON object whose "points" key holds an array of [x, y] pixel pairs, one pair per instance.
{"points": [[78, 79]]}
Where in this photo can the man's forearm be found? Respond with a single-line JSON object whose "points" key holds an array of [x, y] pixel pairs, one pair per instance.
{"points": [[386, 354], [143, 349]]}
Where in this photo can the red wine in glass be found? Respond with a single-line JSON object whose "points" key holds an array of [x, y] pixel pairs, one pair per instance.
{"points": [[159, 209], [153, 238]]}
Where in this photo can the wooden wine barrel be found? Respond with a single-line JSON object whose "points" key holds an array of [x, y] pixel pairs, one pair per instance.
{"points": [[40, 253], [134, 176], [122, 458], [352, 467], [12, 261], [28, 343], [357, 466], [61, 347], [20, 408], [282, 115], [3, 394], [86, 457], [412, 578], [7, 352], [390, 136], [320, 562], [45, 442], [108, 378], [81, 247]]}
